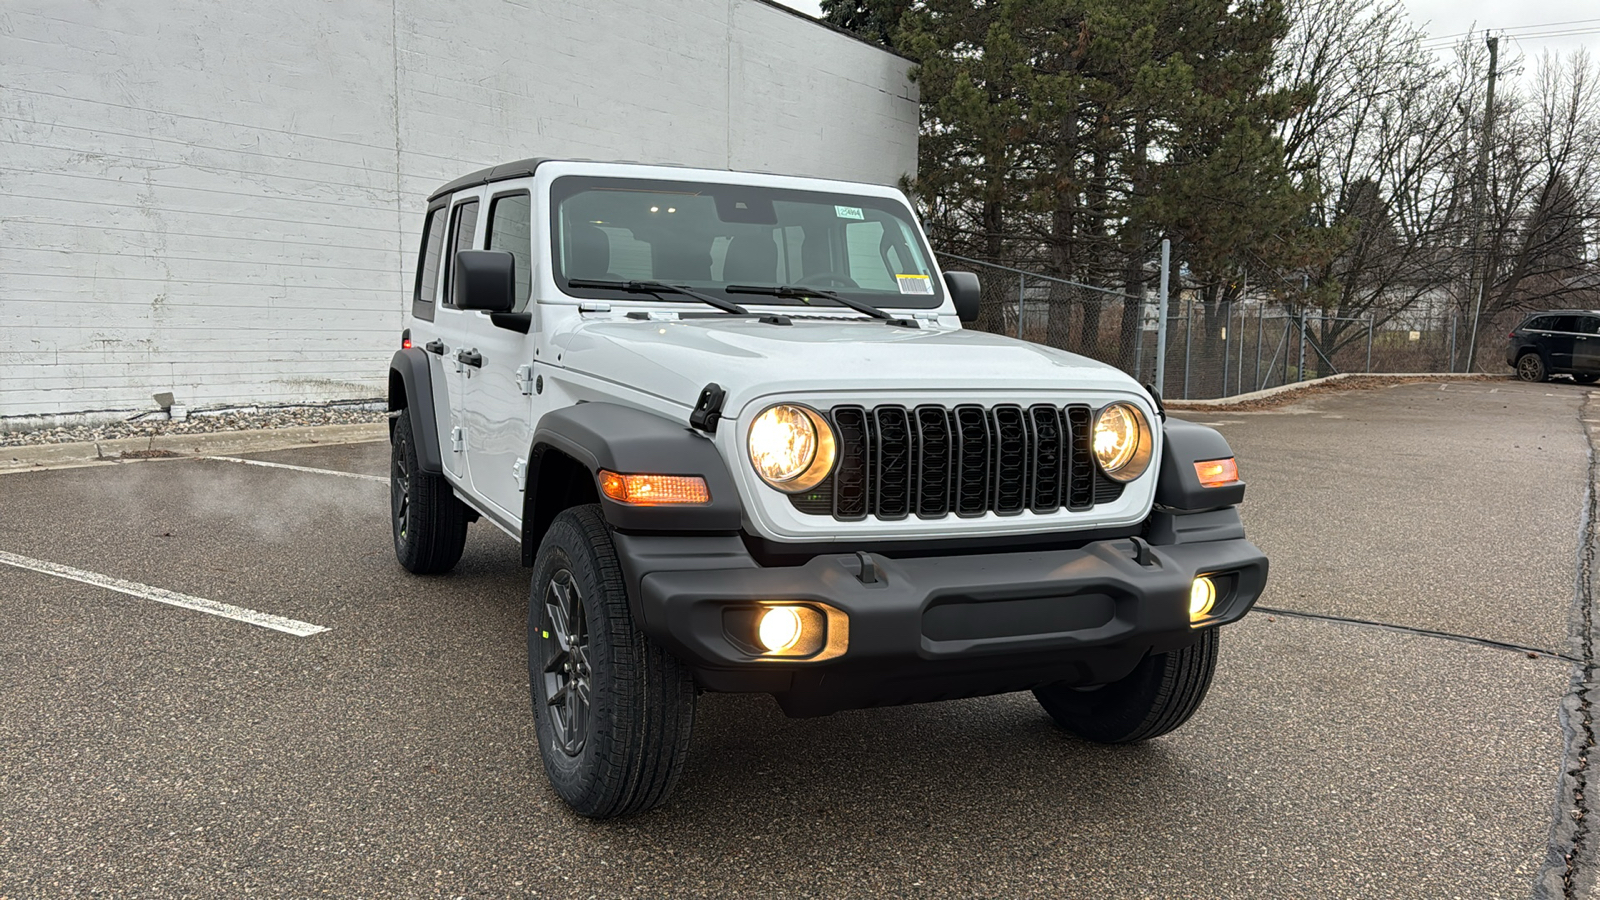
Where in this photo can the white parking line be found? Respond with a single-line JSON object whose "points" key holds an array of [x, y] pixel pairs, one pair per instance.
{"points": [[273, 465], [160, 595]]}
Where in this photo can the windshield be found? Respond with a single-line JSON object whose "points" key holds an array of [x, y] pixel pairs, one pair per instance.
{"points": [[713, 236]]}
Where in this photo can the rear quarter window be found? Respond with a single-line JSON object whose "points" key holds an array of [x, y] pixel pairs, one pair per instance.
{"points": [[422, 298]]}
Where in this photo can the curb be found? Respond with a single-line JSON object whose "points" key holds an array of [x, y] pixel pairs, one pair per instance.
{"points": [[37, 457], [1343, 376]]}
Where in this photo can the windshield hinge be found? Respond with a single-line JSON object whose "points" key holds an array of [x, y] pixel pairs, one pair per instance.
{"points": [[708, 409], [594, 306]]}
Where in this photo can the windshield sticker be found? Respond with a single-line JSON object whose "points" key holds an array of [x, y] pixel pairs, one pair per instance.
{"points": [[915, 284], [848, 212]]}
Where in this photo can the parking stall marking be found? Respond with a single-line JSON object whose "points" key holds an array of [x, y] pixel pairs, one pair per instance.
{"points": [[161, 595], [275, 465]]}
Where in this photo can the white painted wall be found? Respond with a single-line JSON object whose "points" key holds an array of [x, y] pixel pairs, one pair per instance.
{"points": [[222, 199]]}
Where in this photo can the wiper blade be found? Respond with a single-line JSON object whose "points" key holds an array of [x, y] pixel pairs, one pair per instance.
{"points": [[795, 292], [658, 288]]}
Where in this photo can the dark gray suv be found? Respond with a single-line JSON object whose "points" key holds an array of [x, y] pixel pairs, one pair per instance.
{"points": [[1557, 342]]}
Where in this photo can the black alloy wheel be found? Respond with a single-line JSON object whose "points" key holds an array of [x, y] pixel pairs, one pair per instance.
{"points": [[612, 710], [566, 668], [428, 520]]}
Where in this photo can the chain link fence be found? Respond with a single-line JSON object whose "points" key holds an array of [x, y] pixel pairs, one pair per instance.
{"points": [[1224, 349]]}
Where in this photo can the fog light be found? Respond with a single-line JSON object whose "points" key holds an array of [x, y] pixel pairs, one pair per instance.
{"points": [[1202, 596], [780, 628]]}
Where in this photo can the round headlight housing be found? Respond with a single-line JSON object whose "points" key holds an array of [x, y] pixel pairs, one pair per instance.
{"points": [[1122, 441], [791, 447]]}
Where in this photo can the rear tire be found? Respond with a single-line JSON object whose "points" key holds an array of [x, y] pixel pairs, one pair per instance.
{"points": [[429, 521], [612, 710], [1530, 368], [1158, 696]]}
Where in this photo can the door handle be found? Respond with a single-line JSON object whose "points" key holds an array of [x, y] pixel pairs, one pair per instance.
{"points": [[470, 358], [434, 347]]}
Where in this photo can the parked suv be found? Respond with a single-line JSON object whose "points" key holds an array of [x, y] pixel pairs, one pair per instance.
{"points": [[1557, 342], [746, 445]]}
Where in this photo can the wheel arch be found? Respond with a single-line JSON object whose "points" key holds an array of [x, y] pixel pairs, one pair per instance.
{"points": [[571, 445], [411, 387]]}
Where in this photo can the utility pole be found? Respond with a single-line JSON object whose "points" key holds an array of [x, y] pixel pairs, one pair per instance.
{"points": [[1481, 276]]}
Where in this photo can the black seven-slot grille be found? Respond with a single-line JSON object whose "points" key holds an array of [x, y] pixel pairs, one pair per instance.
{"points": [[932, 461]]}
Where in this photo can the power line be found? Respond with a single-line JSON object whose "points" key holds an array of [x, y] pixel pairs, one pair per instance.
{"points": [[1511, 28]]}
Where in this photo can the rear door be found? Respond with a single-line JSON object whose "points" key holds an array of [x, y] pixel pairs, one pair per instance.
{"points": [[451, 325], [1586, 346], [498, 383]]}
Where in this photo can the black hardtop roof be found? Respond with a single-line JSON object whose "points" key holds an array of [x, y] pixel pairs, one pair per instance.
{"points": [[502, 172]]}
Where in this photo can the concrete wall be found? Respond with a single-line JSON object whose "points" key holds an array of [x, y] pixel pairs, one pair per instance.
{"points": [[222, 199]]}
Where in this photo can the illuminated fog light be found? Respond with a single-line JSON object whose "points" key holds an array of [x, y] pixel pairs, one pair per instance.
{"points": [[780, 628], [1202, 596]]}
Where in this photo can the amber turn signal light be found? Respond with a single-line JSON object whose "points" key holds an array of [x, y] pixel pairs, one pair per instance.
{"points": [[1217, 472], [654, 490]]}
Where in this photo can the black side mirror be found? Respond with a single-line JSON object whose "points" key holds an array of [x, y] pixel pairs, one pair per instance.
{"points": [[486, 280], [966, 293]]}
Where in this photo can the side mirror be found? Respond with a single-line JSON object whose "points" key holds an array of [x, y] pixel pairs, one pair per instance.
{"points": [[966, 293], [485, 280]]}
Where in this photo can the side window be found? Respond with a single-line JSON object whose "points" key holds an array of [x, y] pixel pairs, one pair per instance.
{"points": [[1588, 325], [428, 265], [1541, 323], [510, 228], [1566, 324], [463, 225]]}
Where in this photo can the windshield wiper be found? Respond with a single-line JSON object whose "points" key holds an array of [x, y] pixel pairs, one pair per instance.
{"points": [[658, 288], [793, 292]]}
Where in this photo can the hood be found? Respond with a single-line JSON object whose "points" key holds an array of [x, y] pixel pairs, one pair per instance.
{"points": [[748, 358]]}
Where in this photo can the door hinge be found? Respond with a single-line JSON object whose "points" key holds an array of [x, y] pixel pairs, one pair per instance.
{"points": [[525, 379], [519, 471], [457, 439]]}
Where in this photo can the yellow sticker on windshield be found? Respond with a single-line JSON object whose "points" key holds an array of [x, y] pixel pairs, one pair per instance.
{"points": [[914, 284]]}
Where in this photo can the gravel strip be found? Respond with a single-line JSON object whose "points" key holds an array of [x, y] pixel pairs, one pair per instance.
{"points": [[1295, 395], [204, 422]]}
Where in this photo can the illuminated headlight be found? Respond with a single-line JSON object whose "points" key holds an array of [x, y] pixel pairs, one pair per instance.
{"points": [[1122, 441], [791, 447]]}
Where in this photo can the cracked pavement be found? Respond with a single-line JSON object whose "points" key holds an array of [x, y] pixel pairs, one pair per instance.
{"points": [[152, 751]]}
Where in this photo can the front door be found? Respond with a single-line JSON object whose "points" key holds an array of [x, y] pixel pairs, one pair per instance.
{"points": [[498, 385]]}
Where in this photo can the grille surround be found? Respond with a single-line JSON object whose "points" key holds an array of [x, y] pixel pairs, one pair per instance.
{"points": [[966, 460]]}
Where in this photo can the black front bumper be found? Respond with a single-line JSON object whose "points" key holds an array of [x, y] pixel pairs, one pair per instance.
{"points": [[931, 628]]}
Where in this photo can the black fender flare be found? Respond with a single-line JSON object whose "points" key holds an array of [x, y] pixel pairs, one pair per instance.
{"points": [[632, 441], [1177, 484], [410, 367]]}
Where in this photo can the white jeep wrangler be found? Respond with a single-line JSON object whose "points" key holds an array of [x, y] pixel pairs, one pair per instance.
{"points": [[747, 446]]}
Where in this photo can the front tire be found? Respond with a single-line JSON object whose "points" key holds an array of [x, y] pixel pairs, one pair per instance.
{"points": [[1589, 378], [428, 519], [1530, 368], [1158, 696], [613, 712]]}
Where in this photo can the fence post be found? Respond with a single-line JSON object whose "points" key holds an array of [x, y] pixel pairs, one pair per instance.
{"points": [[1369, 343], [1261, 315], [1188, 346], [1453, 319], [1227, 343], [1300, 373], [1022, 288], [1161, 318]]}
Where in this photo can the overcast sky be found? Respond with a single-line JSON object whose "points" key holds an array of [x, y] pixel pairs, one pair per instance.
{"points": [[1528, 26]]}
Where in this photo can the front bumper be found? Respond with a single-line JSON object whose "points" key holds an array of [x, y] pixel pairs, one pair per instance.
{"points": [[932, 628]]}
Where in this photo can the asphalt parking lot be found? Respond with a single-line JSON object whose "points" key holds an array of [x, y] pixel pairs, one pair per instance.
{"points": [[148, 750]]}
